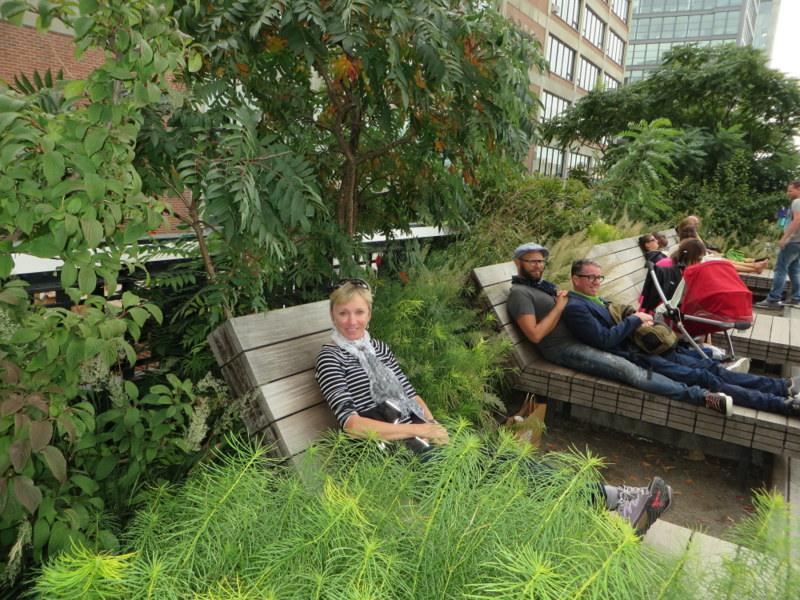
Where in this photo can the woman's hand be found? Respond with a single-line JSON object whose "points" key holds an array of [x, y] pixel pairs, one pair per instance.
{"points": [[433, 432]]}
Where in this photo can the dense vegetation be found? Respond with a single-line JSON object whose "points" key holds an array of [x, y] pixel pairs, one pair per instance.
{"points": [[285, 128]]}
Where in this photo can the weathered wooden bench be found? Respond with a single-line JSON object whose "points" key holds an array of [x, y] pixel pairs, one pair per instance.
{"points": [[770, 432], [271, 358], [771, 339]]}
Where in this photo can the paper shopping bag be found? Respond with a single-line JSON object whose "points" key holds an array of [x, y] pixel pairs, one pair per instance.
{"points": [[528, 423]]}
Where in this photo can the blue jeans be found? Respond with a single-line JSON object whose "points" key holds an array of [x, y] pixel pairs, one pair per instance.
{"points": [[753, 391], [604, 364], [788, 263]]}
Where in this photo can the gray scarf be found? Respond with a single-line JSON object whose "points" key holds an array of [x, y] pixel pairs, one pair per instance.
{"points": [[383, 383]]}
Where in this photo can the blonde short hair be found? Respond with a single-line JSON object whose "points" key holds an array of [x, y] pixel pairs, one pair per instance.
{"points": [[345, 293]]}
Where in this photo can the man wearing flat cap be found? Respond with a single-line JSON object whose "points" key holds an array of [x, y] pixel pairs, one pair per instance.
{"points": [[536, 306]]}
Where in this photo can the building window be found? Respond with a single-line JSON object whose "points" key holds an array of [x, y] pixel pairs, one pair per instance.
{"points": [[552, 106], [594, 29], [588, 75], [561, 58], [579, 161], [620, 8], [609, 82], [549, 161], [568, 11], [616, 47]]}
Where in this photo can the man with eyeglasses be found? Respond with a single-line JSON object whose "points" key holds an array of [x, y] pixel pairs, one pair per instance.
{"points": [[589, 319], [537, 308]]}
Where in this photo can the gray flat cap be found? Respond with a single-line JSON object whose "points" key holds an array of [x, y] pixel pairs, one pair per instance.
{"points": [[531, 247]]}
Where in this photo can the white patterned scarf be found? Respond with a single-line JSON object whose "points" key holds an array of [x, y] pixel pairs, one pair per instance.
{"points": [[383, 383]]}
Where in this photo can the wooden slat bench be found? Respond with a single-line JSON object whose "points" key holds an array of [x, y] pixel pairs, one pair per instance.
{"points": [[271, 356], [773, 433]]}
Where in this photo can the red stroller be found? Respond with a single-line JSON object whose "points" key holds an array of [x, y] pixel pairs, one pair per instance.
{"points": [[714, 299]]}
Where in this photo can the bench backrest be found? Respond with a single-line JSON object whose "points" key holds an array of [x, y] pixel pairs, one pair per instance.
{"points": [[271, 356]]}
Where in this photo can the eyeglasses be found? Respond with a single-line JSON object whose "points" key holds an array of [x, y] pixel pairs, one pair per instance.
{"points": [[533, 261], [593, 278], [356, 282], [650, 240]]}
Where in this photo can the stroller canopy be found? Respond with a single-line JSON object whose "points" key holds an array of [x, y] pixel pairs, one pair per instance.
{"points": [[714, 290]]}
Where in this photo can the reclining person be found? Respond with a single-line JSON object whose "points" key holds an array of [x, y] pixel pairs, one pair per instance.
{"points": [[537, 306], [587, 316]]}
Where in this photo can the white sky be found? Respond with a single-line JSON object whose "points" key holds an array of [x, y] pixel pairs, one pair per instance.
{"points": [[786, 51]]}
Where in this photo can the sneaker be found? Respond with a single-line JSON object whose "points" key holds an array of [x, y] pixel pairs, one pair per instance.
{"points": [[793, 303], [719, 402], [793, 387], [769, 305], [643, 507], [739, 365]]}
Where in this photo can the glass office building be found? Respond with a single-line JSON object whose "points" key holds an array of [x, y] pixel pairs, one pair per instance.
{"points": [[658, 25]]}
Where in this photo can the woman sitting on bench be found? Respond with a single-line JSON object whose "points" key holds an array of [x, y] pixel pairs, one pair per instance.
{"points": [[358, 376]]}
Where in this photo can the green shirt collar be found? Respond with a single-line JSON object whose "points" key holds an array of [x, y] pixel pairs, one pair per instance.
{"points": [[592, 298]]}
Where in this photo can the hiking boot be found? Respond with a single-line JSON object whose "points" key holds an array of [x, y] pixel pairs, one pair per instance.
{"points": [[739, 365], [642, 506], [719, 402], [769, 305], [793, 406]]}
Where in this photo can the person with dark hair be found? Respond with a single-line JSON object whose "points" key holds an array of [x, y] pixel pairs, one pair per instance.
{"points": [[358, 375], [788, 263], [688, 229], [588, 317], [651, 250]]}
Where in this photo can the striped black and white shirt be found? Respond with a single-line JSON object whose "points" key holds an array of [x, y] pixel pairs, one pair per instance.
{"points": [[344, 383]]}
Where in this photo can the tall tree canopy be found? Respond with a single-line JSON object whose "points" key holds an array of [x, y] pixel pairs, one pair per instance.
{"points": [[724, 99]]}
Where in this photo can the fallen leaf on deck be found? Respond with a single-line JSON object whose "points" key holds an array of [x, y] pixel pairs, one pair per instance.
{"points": [[668, 467], [690, 481], [633, 477], [748, 508], [698, 493], [644, 463]]}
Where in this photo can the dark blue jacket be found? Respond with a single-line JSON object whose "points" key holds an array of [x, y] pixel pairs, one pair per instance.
{"points": [[593, 325]]}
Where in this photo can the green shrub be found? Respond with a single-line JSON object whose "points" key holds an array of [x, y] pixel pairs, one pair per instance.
{"points": [[449, 352]]}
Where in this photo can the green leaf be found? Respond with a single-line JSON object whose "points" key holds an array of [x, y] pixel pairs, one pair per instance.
{"points": [[95, 139], [41, 533], [105, 465], [6, 264], [56, 463], [87, 280], [87, 484], [129, 299], [139, 315], [95, 187], [74, 88], [27, 493], [24, 335], [92, 231], [53, 166], [195, 62], [59, 536], [69, 274]]}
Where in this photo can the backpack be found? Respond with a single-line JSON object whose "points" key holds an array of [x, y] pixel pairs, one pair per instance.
{"points": [[653, 339]]}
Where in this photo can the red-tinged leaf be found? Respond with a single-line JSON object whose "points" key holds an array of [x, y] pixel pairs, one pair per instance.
{"points": [[41, 433], [68, 425], [20, 452], [3, 494], [739, 497], [10, 372], [12, 405], [598, 439], [649, 455], [615, 457], [633, 478], [690, 481], [28, 494], [749, 508], [56, 462], [669, 467], [42, 405], [644, 463], [697, 493], [20, 421]]}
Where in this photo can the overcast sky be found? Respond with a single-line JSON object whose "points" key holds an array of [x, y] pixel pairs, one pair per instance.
{"points": [[786, 52]]}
